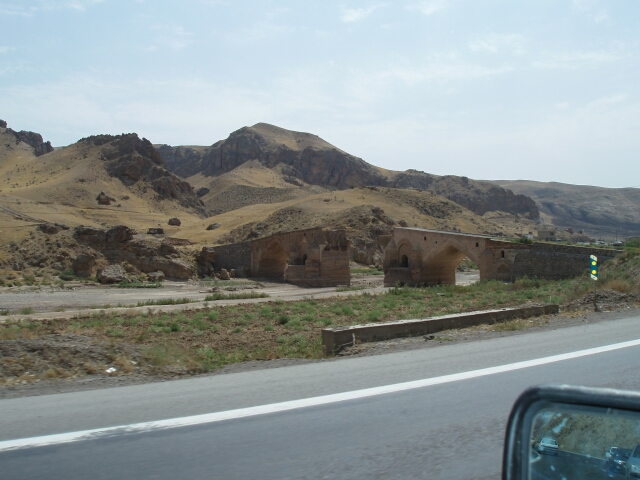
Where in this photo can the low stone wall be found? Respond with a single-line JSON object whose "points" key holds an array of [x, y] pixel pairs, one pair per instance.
{"points": [[555, 262], [333, 339], [233, 256]]}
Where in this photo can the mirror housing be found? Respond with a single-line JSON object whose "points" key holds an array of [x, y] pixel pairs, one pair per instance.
{"points": [[517, 446]]}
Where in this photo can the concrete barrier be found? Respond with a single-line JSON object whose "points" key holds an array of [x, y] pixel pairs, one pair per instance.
{"points": [[334, 339]]}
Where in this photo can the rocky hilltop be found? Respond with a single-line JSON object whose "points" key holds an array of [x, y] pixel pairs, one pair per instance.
{"points": [[600, 212], [34, 140], [305, 156], [308, 158], [133, 160]]}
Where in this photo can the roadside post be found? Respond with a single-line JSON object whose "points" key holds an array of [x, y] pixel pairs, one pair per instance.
{"points": [[594, 276]]}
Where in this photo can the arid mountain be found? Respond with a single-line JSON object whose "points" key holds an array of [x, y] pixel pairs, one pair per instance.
{"points": [[303, 158], [127, 170], [104, 181], [600, 212], [34, 140]]}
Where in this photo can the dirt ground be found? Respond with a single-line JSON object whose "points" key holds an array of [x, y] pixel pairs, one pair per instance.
{"points": [[56, 302], [440, 340]]}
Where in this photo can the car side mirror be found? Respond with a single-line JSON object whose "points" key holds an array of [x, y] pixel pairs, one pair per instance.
{"points": [[564, 432]]}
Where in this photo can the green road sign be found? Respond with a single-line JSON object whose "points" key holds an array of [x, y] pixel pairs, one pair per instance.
{"points": [[594, 267]]}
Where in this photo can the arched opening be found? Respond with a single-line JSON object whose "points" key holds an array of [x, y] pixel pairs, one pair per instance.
{"points": [[450, 266], [467, 272], [273, 262], [404, 254], [304, 258]]}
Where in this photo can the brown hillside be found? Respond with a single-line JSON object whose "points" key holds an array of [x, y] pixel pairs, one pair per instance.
{"points": [[601, 212], [126, 168], [249, 201], [307, 158]]}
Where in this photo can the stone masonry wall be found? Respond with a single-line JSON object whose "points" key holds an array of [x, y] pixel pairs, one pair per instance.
{"points": [[236, 255], [555, 262]]}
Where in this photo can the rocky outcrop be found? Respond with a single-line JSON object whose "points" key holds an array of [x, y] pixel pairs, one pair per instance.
{"points": [[155, 231], [174, 222], [118, 246], [307, 157], [104, 199], [83, 264], [111, 274], [34, 140], [202, 191], [52, 228], [156, 276], [478, 196], [133, 160], [213, 226], [205, 261]]}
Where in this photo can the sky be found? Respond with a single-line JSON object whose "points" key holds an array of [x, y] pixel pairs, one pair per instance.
{"points": [[545, 90]]}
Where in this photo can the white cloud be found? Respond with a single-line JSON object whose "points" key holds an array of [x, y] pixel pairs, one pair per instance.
{"points": [[356, 14], [4, 49], [428, 7], [495, 43], [575, 59], [443, 71], [606, 103]]}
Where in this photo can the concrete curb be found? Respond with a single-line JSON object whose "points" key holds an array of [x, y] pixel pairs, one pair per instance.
{"points": [[334, 339]]}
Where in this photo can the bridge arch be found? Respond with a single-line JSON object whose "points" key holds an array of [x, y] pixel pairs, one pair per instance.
{"points": [[405, 250], [439, 267], [273, 261]]}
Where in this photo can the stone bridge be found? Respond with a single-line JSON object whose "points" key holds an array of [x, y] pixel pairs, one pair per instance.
{"points": [[419, 257], [312, 257]]}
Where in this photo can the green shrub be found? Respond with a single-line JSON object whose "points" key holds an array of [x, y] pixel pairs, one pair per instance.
{"points": [[67, 275]]}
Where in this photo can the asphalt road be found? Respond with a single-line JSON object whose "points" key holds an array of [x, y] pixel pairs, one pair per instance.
{"points": [[445, 430]]}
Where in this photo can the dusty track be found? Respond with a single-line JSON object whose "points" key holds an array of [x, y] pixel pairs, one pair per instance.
{"points": [[91, 298]]}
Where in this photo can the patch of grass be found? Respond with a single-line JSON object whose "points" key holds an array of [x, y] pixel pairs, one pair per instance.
{"points": [[620, 285], [283, 319], [366, 271], [115, 332], [511, 325], [165, 301], [268, 328], [67, 275], [213, 315], [351, 288], [234, 296], [26, 311]]}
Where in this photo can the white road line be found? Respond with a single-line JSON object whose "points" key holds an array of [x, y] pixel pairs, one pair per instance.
{"points": [[295, 404]]}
